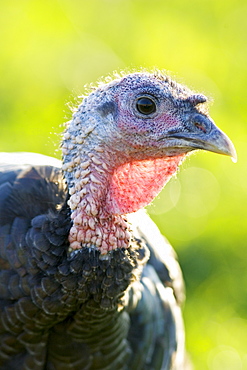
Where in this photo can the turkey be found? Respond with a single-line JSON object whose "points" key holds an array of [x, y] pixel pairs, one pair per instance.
{"points": [[86, 279]]}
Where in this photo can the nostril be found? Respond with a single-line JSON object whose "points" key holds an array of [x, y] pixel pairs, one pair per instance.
{"points": [[201, 123], [200, 126]]}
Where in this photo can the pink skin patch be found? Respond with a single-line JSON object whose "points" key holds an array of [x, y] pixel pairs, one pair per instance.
{"points": [[135, 184]]}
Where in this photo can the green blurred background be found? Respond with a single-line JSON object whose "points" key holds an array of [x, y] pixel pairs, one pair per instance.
{"points": [[51, 48]]}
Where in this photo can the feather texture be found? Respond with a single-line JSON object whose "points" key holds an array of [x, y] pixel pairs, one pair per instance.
{"points": [[48, 319]]}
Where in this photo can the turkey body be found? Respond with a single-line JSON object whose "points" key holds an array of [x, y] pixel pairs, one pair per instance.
{"points": [[86, 280], [60, 313]]}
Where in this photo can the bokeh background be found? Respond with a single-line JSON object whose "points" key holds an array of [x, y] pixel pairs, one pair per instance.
{"points": [[49, 49]]}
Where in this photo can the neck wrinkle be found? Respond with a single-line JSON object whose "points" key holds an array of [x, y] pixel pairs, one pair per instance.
{"points": [[92, 225]]}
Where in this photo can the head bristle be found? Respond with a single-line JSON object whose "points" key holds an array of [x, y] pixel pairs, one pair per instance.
{"points": [[196, 99]]}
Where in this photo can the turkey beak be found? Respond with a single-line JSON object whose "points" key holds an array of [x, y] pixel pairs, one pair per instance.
{"points": [[218, 142], [202, 133]]}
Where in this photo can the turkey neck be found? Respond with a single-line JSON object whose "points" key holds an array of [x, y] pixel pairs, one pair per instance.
{"points": [[88, 166], [92, 224], [103, 191]]}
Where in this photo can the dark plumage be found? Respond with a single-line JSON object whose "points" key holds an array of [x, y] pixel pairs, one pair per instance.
{"points": [[83, 285]]}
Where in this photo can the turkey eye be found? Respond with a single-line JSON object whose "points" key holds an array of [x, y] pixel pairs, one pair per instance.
{"points": [[145, 106]]}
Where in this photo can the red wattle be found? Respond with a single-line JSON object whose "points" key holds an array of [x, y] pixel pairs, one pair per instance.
{"points": [[135, 184]]}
